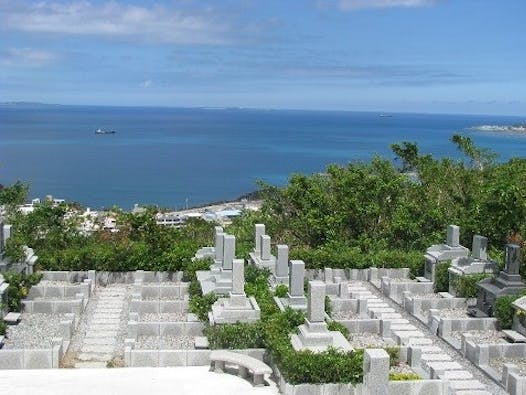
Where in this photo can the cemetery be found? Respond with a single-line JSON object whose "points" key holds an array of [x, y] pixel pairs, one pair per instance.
{"points": [[269, 320]]}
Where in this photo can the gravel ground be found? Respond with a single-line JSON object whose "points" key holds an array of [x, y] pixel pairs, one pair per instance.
{"points": [[345, 315], [498, 363], [401, 368], [162, 317], [368, 340], [492, 387], [483, 337], [164, 343], [49, 283], [35, 330], [429, 296], [450, 313]]}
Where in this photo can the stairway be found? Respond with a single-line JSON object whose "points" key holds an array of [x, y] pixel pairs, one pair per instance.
{"points": [[103, 326]]}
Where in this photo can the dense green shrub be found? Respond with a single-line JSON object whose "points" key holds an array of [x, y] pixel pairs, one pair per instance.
{"points": [[466, 286], [201, 305], [336, 326], [504, 310], [235, 336], [341, 256], [194, 266], [3, 327], [281, 291], [442, 277], [394, 355], [19, 286]]}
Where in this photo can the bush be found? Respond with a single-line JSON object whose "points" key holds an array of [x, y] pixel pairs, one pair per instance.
{"points": [[394, 355], [235, 336], [201, 305], [336, 326], [281, 291], [504, 310], [442, 277], [466, 286], [19, 286], [3, 327], [194, 266]]}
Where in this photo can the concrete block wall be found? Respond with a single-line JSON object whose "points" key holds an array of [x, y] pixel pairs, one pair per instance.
{"points": [[158, 306], [136, 329], [152, 291], [75, 306], [171, 358], [43, 358]]}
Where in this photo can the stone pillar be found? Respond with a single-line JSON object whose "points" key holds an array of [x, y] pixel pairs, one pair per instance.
{"points": [[376, 372], [220, 239], [479, 248], [453, 236], [238, 277], [511, 259], [296, 278], [265, 247], [282, 263], [316, 302], [229, 251], [329, 278], [259, 230]]}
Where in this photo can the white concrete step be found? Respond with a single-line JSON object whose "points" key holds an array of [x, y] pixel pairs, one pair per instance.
{"points": [[90, 365], [97, 349], [99, 341], [466, 385], [91, 356]]}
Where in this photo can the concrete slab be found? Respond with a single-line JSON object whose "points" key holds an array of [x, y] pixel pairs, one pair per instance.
{"points": [[456, 375], [466, 385], [132, 381]]}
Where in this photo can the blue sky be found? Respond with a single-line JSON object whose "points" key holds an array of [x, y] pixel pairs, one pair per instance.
{"points": [[452, 56]]}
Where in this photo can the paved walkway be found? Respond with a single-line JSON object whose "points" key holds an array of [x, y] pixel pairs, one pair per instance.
{"points": [[129, 381], [103, 327], [464, 377]]}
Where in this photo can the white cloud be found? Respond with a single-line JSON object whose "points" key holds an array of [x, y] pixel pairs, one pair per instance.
{"points": [[356, 4], [146, 84], [157, 23], [26, 57]]}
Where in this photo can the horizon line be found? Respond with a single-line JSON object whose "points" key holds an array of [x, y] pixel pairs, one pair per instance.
{"points": [[216, 108]]}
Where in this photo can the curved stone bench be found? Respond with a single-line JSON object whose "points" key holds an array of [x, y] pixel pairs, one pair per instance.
{"points": [[245, 363]]}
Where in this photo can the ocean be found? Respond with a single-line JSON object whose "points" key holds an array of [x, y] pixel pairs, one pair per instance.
{"points": [[177, 156]]}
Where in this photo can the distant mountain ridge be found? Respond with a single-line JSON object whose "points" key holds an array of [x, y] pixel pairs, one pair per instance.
{"points": [[27, 104]]}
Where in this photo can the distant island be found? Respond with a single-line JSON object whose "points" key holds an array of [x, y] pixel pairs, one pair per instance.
{"points": [[520, 128]]}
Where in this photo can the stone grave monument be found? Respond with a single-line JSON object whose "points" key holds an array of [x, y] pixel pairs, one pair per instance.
{"points": [[219, 278], [262, 256], [477, 263], [237, 307], [216, 252], [508, 282], [314, 335], [281, 270], [443, 252]]}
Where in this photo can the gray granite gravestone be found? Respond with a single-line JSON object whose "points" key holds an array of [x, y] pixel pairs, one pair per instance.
{"points": [[444, 252], [313, 334], [281, 271], [508, 282], [237, 307], [477, 263]]}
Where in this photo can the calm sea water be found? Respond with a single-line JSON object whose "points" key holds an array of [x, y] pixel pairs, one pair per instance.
{"points": [[164, 156]]}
